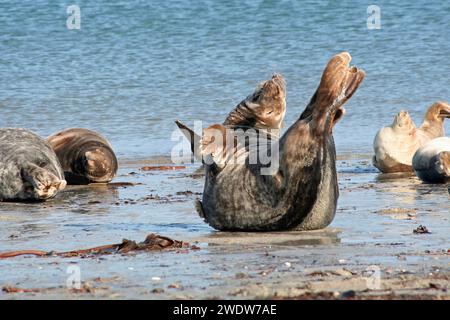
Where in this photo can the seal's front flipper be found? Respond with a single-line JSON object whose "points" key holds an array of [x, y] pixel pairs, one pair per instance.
{"points": [[199, 208], [213, 146], [192, 137]]}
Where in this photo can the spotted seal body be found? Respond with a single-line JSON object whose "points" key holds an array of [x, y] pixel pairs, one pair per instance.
{"points": [[85, 156], [432, 161], [396, 144], [302, 192], [29, 168]]}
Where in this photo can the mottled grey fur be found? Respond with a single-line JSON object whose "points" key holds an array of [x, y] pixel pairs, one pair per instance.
{"points": [[29, 168]]}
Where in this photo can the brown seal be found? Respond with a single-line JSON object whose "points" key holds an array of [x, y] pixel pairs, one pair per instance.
{"points": [[301, 193], [396, 144], [85, 156]]}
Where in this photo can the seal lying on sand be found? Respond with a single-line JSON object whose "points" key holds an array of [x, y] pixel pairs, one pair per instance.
{"points": [[29, 168], [265, 108], [301, 193], [396, 144], [432, 161], [85, 156]]}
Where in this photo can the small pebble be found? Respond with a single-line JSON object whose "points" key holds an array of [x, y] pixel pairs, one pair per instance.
{"points": [[421, 230], [350, 294]]}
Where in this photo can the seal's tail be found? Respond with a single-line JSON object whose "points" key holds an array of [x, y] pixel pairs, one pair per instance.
{"points": [[192, 137]]}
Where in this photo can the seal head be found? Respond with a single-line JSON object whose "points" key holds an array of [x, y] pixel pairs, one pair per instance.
{"points": [[265, 108], [29, 168], [433, 124]]}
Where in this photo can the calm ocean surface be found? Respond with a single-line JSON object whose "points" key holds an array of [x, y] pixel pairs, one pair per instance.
{"points": [[136, 66]]}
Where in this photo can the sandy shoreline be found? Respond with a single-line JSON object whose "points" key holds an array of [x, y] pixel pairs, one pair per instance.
{"points": [[373, 230]]}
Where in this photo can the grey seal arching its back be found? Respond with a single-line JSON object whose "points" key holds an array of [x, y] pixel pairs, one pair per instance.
{"points": [[85, 156], [302, 194], [29, 168]]}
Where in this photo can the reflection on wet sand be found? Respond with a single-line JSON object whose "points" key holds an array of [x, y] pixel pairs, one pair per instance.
{"points": [[294, 238], [373, 226], [407, 188], [88, 199], [402, 185]]}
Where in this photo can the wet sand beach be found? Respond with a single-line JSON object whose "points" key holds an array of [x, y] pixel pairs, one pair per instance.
{"points": [[370, 250]]}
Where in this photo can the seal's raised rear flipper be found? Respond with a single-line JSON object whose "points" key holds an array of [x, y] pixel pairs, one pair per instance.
{"points": [[338, 84], [192, 137]]}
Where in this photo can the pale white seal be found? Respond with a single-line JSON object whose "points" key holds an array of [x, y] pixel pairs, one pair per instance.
{"points": [[396, 144]]}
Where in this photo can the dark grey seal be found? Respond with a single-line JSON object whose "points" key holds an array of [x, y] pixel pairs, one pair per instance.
{"points": [[85, 156], [29, 168], [431, 162], [302, 193]]}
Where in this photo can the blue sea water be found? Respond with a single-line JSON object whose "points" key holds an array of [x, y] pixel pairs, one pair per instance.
{"points": [[136, 66]]}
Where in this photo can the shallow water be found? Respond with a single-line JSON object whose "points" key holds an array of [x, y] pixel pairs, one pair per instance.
{"points": [[136, 66]]}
